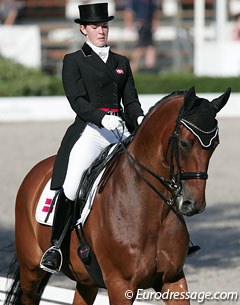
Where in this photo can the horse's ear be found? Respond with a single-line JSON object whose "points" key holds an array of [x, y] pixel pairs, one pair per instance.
{"points": [[221, 101], [189, 99]]}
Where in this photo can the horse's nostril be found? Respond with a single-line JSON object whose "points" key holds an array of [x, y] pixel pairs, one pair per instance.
{"points": [[187, 203], [188, 208]]}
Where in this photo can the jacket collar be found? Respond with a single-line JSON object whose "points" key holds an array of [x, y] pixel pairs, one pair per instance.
{"points": [[86, 49]]}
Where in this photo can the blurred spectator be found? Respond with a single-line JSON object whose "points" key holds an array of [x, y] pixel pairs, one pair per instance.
{"points": [[8, 12], [141, 15], [236, 28]]}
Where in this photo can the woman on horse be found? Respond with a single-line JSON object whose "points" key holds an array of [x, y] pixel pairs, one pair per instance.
{"points": [[100, 88]]}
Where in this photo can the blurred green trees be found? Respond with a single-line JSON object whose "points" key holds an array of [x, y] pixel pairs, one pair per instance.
{"points": [[17, 80]]}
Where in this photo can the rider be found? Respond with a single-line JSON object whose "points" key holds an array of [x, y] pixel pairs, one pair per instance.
{"points": [[100, 88]]}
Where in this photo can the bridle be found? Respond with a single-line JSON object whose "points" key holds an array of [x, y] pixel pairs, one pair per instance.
{"points": [[174, 183], [173, 142]]}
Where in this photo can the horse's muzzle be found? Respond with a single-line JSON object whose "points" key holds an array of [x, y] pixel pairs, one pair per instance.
{"points": [[188, 207]]}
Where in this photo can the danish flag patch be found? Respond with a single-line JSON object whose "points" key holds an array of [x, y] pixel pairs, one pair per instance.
{"points": [[47, 205], [119, 71]]}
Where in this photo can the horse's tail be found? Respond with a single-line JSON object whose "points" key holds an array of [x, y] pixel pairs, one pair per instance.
{"points": [[15, 292]]}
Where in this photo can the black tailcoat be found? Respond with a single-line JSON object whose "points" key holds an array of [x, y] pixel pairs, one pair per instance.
{"points": [[91, 84]]}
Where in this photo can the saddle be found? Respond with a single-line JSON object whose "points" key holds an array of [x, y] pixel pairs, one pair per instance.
{"points": [[111, 152], [89, 177]]}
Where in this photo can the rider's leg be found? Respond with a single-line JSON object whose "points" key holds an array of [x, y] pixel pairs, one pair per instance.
{"points": [[83, 153], [52, 258]]}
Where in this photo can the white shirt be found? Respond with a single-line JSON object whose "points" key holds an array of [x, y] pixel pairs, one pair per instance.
{"points": [[102, 52]]}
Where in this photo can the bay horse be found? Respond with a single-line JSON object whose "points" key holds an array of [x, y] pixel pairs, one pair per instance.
{"points": [[136, 227]]}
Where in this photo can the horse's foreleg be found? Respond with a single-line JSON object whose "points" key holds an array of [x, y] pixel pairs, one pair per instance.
{"points": [[84, 295], [176, 293], [30, 281], [120, 292]]}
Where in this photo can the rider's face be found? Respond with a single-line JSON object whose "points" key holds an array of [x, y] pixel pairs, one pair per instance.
{"points": [[97, 33]]}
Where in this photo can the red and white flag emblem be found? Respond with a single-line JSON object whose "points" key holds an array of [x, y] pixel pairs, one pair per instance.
{"points": [[47, 205], [119, 71]]}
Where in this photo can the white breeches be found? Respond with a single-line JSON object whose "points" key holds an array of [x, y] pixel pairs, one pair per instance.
{"points": [[92, 141]]}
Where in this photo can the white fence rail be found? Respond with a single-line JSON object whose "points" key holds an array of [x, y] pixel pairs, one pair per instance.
{"points": [[57, 108], [51, 295], [56, 296]]}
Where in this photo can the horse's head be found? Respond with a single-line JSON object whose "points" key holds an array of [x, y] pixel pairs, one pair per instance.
{"points": [[192, 143], [181, 131]]}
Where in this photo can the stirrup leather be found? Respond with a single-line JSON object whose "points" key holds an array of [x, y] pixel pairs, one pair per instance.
{"points": [[53, 248]]}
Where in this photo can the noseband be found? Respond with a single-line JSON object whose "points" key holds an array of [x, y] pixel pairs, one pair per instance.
{"points": [[174, 183]]}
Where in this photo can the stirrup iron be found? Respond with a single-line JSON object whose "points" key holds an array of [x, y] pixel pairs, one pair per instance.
{"points": [[54, 248]]}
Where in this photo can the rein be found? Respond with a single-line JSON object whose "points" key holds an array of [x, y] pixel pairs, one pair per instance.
{"points": [[170, 185], [134, 163], [173, 184]]}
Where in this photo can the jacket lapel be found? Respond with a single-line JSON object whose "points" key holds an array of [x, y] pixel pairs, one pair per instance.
{"points": [[112, 61], [93, 59]]}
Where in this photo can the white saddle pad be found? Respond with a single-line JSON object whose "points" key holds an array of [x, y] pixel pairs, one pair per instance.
{"points": [[47, 196], [43, 206]]}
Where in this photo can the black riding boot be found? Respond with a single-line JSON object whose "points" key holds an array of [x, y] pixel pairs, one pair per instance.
{"points": [[52, 258]]}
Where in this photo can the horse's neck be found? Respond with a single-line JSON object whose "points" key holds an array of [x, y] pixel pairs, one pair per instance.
{"points": [[151, 139], [150, 144]]}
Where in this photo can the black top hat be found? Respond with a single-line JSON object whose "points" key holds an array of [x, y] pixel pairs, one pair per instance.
{"points": [[93, 13]]}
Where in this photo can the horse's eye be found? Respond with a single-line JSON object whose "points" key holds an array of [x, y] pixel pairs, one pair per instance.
{"points": [[185, 145]]}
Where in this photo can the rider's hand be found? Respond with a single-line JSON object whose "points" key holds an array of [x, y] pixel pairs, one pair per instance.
{"points": [[111, 122], [140, 119]]}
